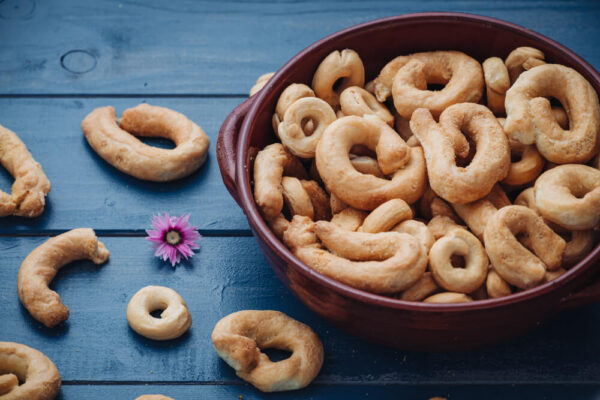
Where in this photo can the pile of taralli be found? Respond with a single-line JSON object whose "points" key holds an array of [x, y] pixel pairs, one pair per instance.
{"points": [[485, 187]]}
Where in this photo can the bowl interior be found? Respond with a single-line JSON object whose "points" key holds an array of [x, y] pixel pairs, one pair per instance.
{"points": [[377, 43]]}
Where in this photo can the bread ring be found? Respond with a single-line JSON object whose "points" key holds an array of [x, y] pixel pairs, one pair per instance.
{"points": [[269, 166], [155, 396], [527, 168], [290, 94], [489, 165], [448, 297], [496, 286], [569, 195], [418, 230], [357, 101], [295, 197], [30, 187], [497, 82], [513, 262], [363, 191], [578, 246], [366, 165], [530, 119], [375, 262], [41, 265], [41, 380], [421, 289], [261, 82], [349, 218], [461, 75], [386, 216], [118, 146], [521, 59], [319, 200], [345, 66], [477, 214], [463, 280], [174, 321], [7, 383], [239, 337], [290, 129]]}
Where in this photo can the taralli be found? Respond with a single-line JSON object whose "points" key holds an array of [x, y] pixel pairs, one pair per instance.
{"points": [[154, 397], [349, 218], [29, 190], [402, 126], [497, 83], [357, 101], [364, 191], [430, 205], [38, 375], [366, 165], [293, 92], [290, 129], [569, 195], [336, 204], [495, 286], [521, 59], [527, 168], [406, 77], [530, 119], [489, 165], [418, 230], [319, 200], [345, 66], [239, 337], [441, 225], [375, 262], [174, 321], [578, 246], [386, 216], [448, 297], [117, 145], [8, 382], [462, 243], [261, 82], [41, 265], [423, 288], [513, 262], [477, 214], [295, 197], [561, 117], [552, 275]]}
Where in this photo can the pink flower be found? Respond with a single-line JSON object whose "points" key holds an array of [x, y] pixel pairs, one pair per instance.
{"points": [[173, 237]]}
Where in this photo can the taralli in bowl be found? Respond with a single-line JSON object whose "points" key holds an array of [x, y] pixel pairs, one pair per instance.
{"points": [[115, 142], [41, 265], [38, 375], [239, 337], [174, 321]]}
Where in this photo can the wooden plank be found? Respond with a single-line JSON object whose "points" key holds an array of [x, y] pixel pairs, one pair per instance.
{"points": [[207, 47], [87, 191], [313, 392], [230, 274]]}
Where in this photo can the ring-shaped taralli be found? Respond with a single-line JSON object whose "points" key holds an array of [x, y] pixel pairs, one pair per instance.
{"points": [[462, 243], [497, 82], [118, 146], [239, 337], [530, 119], [357, 101], [41, 380], [29, 190], [527, 168], [569, 195], [174, 321], [41, 265], [364, 191], [8, 382], [386, 216], [448, 297], [522, 59], [261, 82], [154, 397], [385, 263], [489, 165], [291, 131], [289, 95], [513, 262], [345, 66]]}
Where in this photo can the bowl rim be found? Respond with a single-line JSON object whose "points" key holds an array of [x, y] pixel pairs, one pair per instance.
{"points": [[261, 229]]}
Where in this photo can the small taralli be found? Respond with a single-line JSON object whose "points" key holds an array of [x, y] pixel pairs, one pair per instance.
{"points": [[239, 338], [174, 321], [345, 66]]}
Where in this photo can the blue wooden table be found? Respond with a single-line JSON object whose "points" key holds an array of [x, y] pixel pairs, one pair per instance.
{"points": [[61, 59]]}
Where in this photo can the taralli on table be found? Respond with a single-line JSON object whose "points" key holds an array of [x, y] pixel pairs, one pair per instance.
{"points": [[154, 397], [489, 165], [174, 321], [261, 82], [375, 262], [530, 119], [117, 145], [513, 262], [345, 66], [38, 375], [29, 190], [495, 286], [521, 59], [386, 216], [421, 289], [357, 101], [569, 195], [41, 265], [497, 83], [448, 297], [239, 337], [290, 94]]}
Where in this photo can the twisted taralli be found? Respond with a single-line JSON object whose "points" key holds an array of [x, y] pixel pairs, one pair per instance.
{"points": [[41, 265], [346, 67], [29, 190], [117, 145], [174, 321], [530, 119], [489, 165], [364, 191], [38, 375], [384, 263], [239, 337], [357, 101]]}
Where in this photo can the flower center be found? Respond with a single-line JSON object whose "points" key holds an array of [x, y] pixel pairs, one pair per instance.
{"points": [[173, 237]]}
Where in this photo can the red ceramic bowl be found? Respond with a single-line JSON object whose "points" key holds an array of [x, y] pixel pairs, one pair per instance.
{"points": [[407, 325]]}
